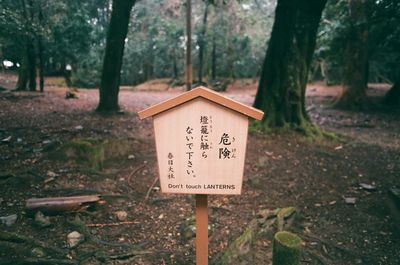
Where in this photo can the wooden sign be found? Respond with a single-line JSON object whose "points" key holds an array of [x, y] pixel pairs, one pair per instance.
{"points": [[201, 142]]}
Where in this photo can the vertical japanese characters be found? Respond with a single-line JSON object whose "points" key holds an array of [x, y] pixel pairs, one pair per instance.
{"points": [[170, 166], [226, 148]]}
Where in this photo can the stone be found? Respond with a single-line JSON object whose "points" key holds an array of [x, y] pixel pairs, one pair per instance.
{"points": [[121, 215], [350, 200], [41, 220], [189, 232], [74, 238], [38, 252], [9, 220], [367, 186]]}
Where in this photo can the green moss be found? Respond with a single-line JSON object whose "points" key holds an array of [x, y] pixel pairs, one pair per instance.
{"points": [[288, 239], [309, 130], [286, 249], [241, 245], [87, 151]]}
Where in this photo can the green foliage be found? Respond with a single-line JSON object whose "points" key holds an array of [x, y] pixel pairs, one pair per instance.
{"points": [[383, 41]]}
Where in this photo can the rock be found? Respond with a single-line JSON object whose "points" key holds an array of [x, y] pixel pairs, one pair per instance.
{"points": [[188, 232], [7, 139], [38, 252], [367, 187], [121, 215], [79, 127], [8, 220], [51, 174], [41, 220], [262, 161], [350, 200], [131, 157], [74, 238]]}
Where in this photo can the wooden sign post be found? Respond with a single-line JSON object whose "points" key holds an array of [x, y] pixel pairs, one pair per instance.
{"points": [[201, 142]]}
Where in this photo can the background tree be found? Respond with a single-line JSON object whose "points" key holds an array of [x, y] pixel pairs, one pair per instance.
{"points": [[383, 41], [355, 68], [392, 97], [202, 42], [281, 91], [60, 33], [110, 77]]}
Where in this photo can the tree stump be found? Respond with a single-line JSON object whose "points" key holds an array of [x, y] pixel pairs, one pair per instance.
{"points": [[286, 249]]}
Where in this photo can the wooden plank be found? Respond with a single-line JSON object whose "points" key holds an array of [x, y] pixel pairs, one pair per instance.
{"points": [[56, 204], [207, 94], [201, 230]]}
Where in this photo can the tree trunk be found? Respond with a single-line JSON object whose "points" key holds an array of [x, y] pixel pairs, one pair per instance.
{"points": [[31, 66], [392, 97], [286, 249], [27, 71], [174, 64], [40, 48], [202, 43], [281, 91], [355, 75], [110, 76], [23, 72], [149, 62], [214, 59], [31, 51], [189, 45]]}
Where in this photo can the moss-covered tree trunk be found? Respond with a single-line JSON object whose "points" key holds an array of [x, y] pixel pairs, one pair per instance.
{"points": [[281, 91], [286, 249], [392, 97], [355, 68], [110, 75]]}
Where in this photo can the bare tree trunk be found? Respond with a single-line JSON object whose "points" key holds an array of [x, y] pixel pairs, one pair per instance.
{"points": [[281, 91], [214, 59], [23, 71], [31, 50], [202, 43], [27, 73], [110, 76], [31, 67], [174, 65], [40, 48], [189, 45], [355, 76]]}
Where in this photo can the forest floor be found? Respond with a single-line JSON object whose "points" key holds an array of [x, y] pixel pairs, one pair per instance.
{"points": [[339, 188]]}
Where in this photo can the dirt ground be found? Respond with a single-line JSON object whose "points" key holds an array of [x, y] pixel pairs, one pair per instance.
{"points": [[281, 170]]}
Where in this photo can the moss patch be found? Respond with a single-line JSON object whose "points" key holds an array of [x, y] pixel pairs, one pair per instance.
{"points": [[95, 153], [288, 239]]}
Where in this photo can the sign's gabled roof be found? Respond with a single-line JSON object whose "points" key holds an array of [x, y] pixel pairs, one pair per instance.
{"points": [[204, 93]]}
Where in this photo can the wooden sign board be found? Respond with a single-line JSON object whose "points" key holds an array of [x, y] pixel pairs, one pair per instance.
{"points": [[201, 142]]}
